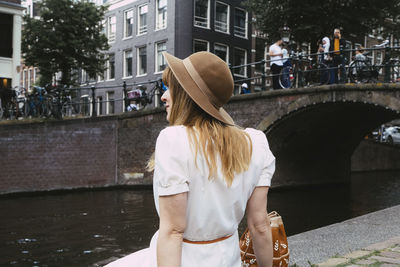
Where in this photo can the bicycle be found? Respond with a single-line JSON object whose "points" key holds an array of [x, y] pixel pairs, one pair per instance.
{"points": [[8, 103], [304, 72], [140, 98], [364, 71]]}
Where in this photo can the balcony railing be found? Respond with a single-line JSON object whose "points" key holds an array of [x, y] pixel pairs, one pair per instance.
{"points": [[201, 21], [221, 26], [240, 31]]}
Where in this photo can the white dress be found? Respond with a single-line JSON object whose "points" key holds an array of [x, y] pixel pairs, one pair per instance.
{"points": [[213, 210]]}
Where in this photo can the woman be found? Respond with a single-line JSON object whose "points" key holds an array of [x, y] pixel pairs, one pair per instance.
{"points": [[206, 172]]}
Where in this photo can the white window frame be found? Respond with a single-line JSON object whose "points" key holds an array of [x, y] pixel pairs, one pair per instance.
{"points": [[99, 104], [125, 67], [111, 38], [156, 54], [204, 41], [245, 62], [108, 68], [138, 32], [84, 78], [208, 16], [246, 23], [227, 51], [138, 62], [163, 24], [125, 24], [227, 19], [108, 102]]}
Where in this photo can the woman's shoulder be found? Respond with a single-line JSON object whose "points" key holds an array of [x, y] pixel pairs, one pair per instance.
{"points": [[172, 130], [172, 135], [257, 136]]}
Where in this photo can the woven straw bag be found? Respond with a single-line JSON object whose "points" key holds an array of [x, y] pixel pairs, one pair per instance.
{"points": [[280, 244]]}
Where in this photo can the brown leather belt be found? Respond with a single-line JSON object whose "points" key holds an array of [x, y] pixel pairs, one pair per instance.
{"points": [[206, 242]]}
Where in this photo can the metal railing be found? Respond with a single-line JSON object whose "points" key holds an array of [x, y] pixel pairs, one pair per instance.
{"points": [[56, 102], [305, 70]]}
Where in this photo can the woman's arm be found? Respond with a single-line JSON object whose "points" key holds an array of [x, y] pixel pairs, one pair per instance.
{"points": [[260, 229], [172, 226]]}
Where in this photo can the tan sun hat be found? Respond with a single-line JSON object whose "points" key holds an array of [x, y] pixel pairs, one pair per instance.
{"points": [[206, 79]]}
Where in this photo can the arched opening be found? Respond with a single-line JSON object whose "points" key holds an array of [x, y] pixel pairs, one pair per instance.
{"points": [[314, 144]]}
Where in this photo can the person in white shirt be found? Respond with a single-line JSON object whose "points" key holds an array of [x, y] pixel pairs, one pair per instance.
{"points": [[207, 173], [275, 53]]}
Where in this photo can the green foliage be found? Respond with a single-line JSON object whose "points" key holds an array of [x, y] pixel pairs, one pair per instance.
{"points": [[68, 36], [311, 20]]}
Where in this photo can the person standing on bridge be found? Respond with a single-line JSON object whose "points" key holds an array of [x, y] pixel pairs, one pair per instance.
{"points": [[276, 55], [207, 173], [338, 44]]}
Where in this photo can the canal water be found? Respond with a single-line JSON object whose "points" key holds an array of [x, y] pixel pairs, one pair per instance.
{"points": [[90, 228]]}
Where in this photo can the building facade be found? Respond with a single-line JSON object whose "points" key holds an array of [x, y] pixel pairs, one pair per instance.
{"points": [[139, 31], [10, 46]]}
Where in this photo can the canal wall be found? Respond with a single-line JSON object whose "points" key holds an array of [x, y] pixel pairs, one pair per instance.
{"points": [[374, 156], [109, 151], [78, 153]]}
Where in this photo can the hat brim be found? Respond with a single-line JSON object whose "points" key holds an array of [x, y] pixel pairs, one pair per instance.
{"points": [[196, 94]]}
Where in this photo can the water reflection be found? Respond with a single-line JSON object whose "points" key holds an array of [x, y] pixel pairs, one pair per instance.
{"points": [[84, 228]]}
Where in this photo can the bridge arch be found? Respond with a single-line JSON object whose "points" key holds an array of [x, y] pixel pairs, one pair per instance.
{"points": [[314, 135]]}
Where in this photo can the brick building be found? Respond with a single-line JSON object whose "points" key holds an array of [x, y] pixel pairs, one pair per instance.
{"points": [[140, 30]]}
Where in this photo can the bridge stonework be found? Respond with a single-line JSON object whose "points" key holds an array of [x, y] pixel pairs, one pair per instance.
{"points": [[313, 133]]}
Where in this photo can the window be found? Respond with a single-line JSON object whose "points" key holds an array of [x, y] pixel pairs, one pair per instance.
{"points": [[142, 19], [99, 107], [31, 77], [240, 56], [103, 75], [221, 51], [6, 33], [111, 67], [110, 103], [25, 79], [128, 23], [84, 76], [128, 63], [201, 13], [240, 28], [160, 60], [199, 45], [161, 17], [221, 17], [141, 61], [111, 28]]}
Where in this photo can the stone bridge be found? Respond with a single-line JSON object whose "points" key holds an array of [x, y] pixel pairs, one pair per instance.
{"points": [[313, 133]]}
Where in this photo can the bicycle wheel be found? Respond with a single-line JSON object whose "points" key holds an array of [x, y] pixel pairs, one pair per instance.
{"points": [[286, 77], [395, 72], [352, 72]]}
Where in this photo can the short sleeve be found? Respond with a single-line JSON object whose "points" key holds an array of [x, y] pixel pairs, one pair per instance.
{"points": [[268, 164], [170, 171]]}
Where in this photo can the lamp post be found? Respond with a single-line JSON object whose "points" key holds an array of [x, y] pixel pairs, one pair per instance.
{"points": [[285, 33]]}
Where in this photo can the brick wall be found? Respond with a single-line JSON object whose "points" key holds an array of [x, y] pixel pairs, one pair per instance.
{"points": [[77, 153]]}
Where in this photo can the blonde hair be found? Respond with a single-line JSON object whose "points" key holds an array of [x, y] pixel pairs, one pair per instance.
{"points": [[208, 135]]}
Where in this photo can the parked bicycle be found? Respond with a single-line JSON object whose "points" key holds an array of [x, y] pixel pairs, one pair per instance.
{"points": [[138, 98], [361, 69], [304, 72], [7, 103]]}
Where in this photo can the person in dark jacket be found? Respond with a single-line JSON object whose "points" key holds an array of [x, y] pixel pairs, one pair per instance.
{"points": [[338, 44]]}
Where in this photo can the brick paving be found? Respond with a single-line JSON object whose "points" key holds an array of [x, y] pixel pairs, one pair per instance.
{"points": [[382, 254]]}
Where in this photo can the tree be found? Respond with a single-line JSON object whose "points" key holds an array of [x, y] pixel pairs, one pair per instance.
{"points": [[311, 20], [68, 36]]}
